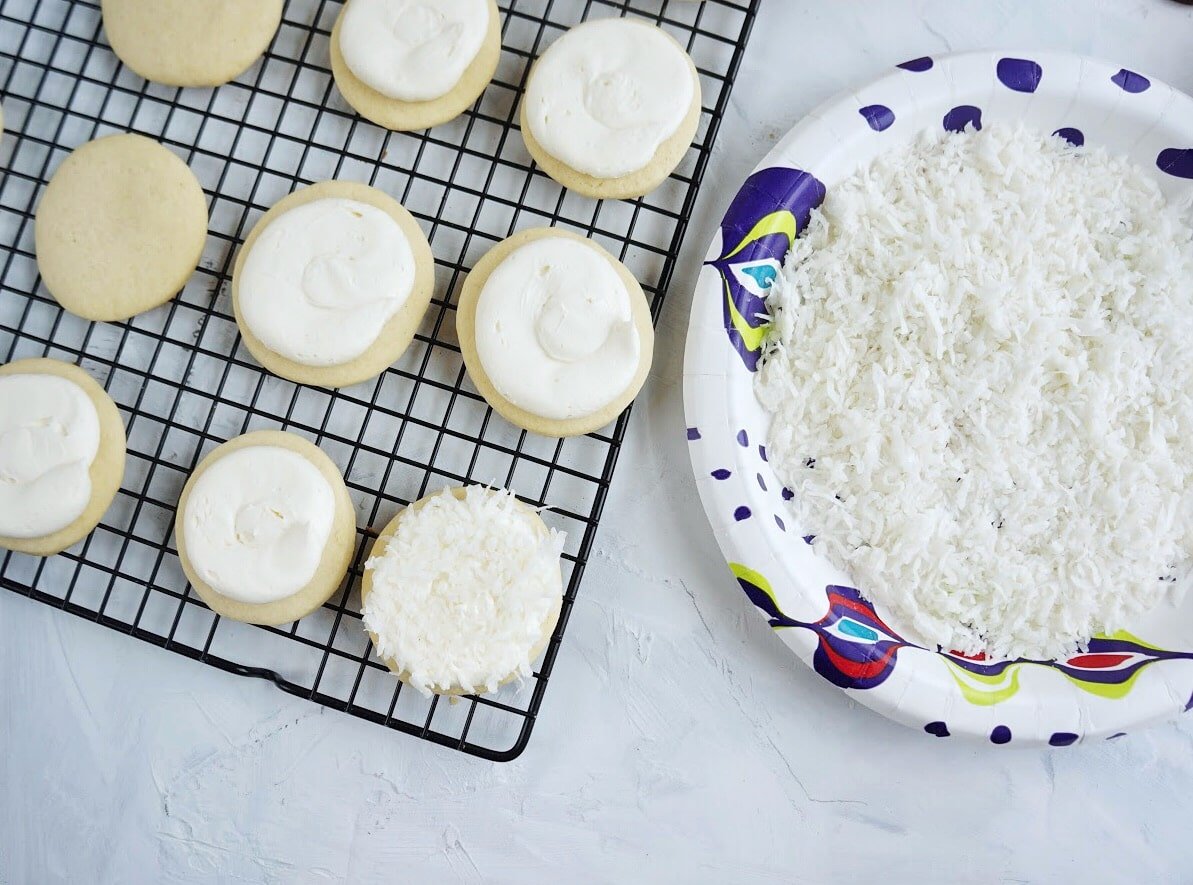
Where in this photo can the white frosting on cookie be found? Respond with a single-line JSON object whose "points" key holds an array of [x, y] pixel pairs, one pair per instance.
{"points": [[49, 437], [257, 522], [322, 280], [412, 50], [464, 590], [554, 329], [607, 94]]}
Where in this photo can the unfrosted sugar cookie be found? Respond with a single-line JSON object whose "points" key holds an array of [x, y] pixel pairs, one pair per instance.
{"points": [[462, 591], [611, 108], [62, 452], [332, 283], [412, 64], [190, 42], [265, 528], [555, 332], [120, 228]]}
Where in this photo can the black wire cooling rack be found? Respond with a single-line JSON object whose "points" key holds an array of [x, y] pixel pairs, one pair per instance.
{"points": [[185, 383]]}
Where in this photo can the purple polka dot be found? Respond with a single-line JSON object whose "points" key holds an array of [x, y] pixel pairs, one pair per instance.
{"points": [[762, 453], [1117, 735], [1176, 161], [963, 117], [878, 116], [1000, 735], [1073, 136], [721, 473], [779, 522], [742, 438], [938, 729], [1129, 81], [741, 513], [808, 539], [917, 65], [1189, 704], [693, 434], [1063, 739], [1019, 74], [761, 482]]}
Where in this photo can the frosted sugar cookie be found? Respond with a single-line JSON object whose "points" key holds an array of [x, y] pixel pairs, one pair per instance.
{"points": [[61, 455], [555, 332], [190, 42], [412, 64], [611, 108], [463, 590], [120, 228], [331, 284], [265, 528]]}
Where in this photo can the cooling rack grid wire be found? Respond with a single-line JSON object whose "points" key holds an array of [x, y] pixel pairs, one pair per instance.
{"points": [[184, 382]]}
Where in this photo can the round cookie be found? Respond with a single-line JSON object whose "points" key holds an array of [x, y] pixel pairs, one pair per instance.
{"points": [[379, 549], [337, 552], [398, 331], [190, 42], [120, 228], [409, 116], [470, 292], [637, 183], [106, 471]]}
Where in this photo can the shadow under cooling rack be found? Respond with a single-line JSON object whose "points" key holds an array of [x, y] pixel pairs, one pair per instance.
{"points": [[184, 382]]}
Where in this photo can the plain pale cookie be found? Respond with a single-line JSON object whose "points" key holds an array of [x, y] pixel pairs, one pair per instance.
{"points": [[409, 116], [190, 42], [395, 335], [107, 470], [470, 292], [337, 552], [120, 228], [379, 550]]}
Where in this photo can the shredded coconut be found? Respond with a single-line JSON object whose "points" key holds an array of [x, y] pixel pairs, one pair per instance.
{"points": [[462, 594], [979, 374]]}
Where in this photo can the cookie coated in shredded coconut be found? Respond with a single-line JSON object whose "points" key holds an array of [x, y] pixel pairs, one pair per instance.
{"points": [[465, 591], [979, 374]]}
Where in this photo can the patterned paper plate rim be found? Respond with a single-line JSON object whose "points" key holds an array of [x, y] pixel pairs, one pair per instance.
{"points": [[1126, 680]]}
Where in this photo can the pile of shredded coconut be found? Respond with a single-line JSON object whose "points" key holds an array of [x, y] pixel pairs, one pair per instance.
{"points": [[462, 593], [980, 372]]}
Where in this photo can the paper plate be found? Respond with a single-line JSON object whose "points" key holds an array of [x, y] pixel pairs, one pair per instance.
{"points": [[1135, 677]]}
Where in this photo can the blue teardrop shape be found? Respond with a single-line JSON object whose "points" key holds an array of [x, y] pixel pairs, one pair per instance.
{"points": [[1176, 161], [1019, 74], [963, 117], [879, 116], [1129, 81], [1073, 136], [917, 65]]}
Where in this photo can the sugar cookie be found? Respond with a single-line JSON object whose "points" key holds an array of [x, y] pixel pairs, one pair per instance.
{"points": [[120, 228], [555, 332], [190, 42], [462, 591], [611, 108], [265, 528], [412, 64], [331, 284], [61, 455]]}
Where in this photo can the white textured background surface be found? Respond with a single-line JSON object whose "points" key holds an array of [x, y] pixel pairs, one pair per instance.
{"points": [[679, 740]]}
